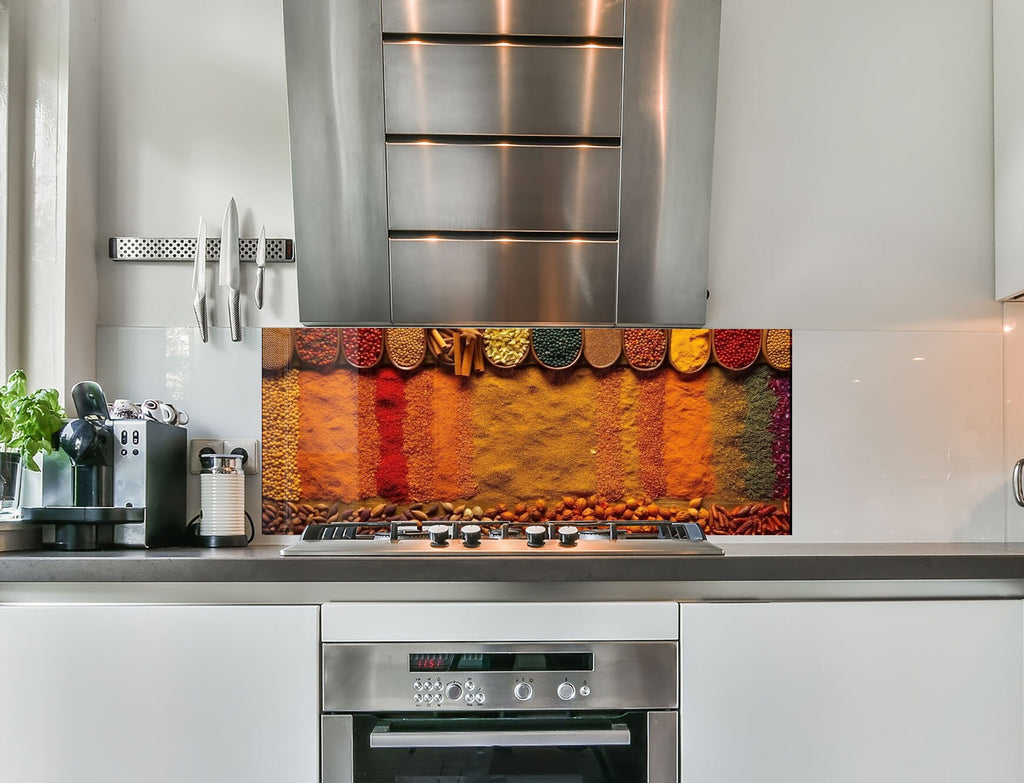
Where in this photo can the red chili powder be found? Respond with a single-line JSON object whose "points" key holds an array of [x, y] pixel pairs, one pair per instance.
{"points": [[393, 471]]}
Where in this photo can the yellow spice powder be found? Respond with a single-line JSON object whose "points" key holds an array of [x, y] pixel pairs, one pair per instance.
{"points": [[689, 349]]}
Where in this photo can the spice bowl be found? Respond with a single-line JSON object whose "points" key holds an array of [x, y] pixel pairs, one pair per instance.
{"points": [[506, 348], [777, 348], [645, 348], [602, 347], [736, 349], [362, 347], [689, 350], [317, 346], [556, 348], [406, 348], [278, 348]]}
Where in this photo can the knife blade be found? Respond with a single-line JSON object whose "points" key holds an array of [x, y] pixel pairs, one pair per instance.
{"points": [[261, 262], [199, 282], [229, 274]]}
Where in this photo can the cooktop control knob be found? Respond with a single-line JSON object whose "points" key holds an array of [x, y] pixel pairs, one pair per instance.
{"points": [[566, 691], [438, 535], [523, 691], [568, 535], [453, 692], [471, 535], [535, 535]]}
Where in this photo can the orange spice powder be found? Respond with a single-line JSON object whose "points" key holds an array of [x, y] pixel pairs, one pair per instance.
{"points": [[328, 454], [611, 480], [650, 435], [448, 405], [419, 446], [629, 406], [369, 436], [687, 437]]}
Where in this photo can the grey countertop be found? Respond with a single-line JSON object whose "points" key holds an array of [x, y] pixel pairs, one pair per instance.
{"points": [[743, 562]]}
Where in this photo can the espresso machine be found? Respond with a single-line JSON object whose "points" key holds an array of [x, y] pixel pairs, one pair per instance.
{"points": [[117, 482]]}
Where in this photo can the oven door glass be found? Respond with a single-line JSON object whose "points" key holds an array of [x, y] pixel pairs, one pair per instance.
{"points": [[520, 749]]}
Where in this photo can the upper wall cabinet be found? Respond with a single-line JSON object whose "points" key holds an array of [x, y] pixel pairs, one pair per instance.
{"points": [[1008, 106], [495, 162]]}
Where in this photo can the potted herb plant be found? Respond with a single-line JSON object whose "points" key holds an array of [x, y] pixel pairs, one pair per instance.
{"points": [[28, 423]]}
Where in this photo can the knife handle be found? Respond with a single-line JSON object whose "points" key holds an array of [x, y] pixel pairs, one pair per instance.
{"points": [[258, 294], [235, 316], [199, 305]]}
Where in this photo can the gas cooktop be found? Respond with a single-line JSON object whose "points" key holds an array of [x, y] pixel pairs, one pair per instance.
{"points": [[468, 539]]}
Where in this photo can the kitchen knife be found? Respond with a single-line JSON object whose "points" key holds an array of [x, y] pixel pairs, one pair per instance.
{"points": [[199, 281], [261, 262], [229, 276]]}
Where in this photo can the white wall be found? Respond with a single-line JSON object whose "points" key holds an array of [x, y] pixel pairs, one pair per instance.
{"points": [[852, 202]]}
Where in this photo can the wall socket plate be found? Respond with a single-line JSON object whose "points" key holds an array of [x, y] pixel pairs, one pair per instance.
{"points": [[251, 448], [196, 446]]}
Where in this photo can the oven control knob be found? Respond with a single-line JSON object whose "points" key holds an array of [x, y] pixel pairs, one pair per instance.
{"points": [[471, 535], [522, 691], [453, 692], [535, 535], [584, 690], [568, 535], [438, 535], [566, 691]]}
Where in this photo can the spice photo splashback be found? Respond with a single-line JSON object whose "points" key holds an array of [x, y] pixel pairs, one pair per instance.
{"points": [[527, 425]]}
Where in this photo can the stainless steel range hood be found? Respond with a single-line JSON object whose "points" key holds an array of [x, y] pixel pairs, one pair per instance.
{"points": [[502, 161]]}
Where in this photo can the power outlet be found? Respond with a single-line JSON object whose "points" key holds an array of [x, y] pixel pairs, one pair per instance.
{"points": [[249, 449], [198, 446]]}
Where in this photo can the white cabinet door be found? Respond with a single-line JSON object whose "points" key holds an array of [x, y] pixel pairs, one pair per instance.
{"points": [[161, 694], [1008, 119], [884, 692]]}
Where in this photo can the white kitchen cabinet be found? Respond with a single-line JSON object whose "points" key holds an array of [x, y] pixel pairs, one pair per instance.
{"points": [[881, 692], [189, 694], [1008, 131]]}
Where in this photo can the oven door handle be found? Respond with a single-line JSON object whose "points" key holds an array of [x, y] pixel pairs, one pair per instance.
{"points": [[383, 737]]}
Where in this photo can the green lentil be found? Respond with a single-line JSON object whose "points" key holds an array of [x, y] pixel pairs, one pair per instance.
{"points": [[557, 348]]}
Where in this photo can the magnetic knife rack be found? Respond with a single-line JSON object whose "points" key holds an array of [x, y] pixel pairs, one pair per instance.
{"points": [[279, 251]]}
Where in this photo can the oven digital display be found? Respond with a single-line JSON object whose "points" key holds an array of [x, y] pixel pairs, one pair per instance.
{"points": [[502, 662]]}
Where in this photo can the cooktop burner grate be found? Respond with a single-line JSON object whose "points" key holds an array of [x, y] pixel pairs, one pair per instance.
{"points": [[615, 537]]}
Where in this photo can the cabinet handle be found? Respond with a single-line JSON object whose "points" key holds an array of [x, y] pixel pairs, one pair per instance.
{"points": [[1018, 486]]}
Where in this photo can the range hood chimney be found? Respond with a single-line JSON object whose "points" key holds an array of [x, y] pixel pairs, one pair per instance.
{"points": [[481, 162]]}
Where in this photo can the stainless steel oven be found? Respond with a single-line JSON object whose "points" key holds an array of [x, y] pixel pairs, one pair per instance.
{"points": [[435, 712]]}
